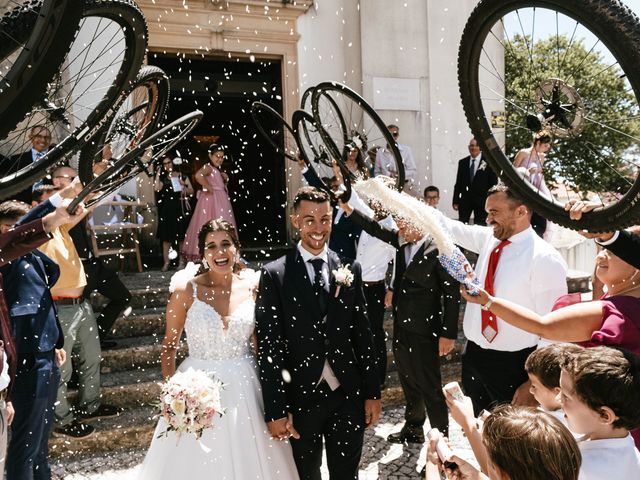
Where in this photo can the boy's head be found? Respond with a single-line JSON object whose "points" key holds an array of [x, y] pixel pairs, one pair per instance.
{"points": [[41, 193], [601, 391], [10, 212], [543, 367], [526, 444]]}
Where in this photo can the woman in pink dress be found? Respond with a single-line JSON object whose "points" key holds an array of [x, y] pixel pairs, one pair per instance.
{"points": [[213, 201]]}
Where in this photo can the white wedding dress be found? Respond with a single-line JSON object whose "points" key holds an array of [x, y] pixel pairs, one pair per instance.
{"points": [[238, 446]]}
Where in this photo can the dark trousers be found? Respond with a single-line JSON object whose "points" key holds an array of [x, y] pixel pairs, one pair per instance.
{"points": [[340, 421], [491, 377], [107, 282], [374, 296], [418, 363], [479, 213], [33, 396]]}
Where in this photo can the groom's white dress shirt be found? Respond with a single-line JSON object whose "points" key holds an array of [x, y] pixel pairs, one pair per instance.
{"points": [[327, 374]]}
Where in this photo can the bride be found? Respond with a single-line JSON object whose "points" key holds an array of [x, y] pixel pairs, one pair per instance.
{"points": [[216, 308]]}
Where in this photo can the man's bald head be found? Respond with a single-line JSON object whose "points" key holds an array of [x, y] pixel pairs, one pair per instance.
{"points": [[63, 176]]}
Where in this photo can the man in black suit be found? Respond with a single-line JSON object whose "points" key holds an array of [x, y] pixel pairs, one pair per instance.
{"points": [[315, 349], [426, 306], [473, 181], [40, 137]]}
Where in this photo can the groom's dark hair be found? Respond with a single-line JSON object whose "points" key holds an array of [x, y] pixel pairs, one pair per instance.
{"points": [[310, 194]]}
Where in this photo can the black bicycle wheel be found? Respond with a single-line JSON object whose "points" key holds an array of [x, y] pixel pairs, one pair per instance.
{"points": [[138, 160], [569, 69], [315, 153], [329, 111], [35, 36], [275, 129], [138, 117], [85, 93], [365, 130]]}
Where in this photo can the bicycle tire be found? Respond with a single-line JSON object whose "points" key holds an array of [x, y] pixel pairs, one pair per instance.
{"points": [[153, 108], [306, 98], [50, 26], [357, 124], [129, 165], [260, 110], [131, 22], [322, 166], [618, 29]]}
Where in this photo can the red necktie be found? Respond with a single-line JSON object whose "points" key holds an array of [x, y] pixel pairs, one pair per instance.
{"points": [[489, 320]]}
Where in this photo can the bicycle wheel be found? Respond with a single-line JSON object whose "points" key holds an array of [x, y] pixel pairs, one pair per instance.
{"points": [[86, 92], [35, 36], [319, 151], [360, 128], [275, 129], [136, 119], [569, 68], [136, 161], [315, 153]]}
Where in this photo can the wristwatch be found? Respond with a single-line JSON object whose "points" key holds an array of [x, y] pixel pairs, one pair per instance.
{"points": [[487, 305]]}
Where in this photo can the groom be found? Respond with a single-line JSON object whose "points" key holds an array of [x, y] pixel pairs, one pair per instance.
{"points": [[315, 350]]}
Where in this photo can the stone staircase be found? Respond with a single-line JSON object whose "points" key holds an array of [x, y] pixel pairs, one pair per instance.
{"points": [[131, 372]]}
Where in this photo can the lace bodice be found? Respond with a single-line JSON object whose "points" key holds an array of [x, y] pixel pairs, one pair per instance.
{"points": [[206, 336]]}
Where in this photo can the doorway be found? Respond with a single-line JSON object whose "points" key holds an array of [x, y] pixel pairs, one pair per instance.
{"points": [[224, 89]]}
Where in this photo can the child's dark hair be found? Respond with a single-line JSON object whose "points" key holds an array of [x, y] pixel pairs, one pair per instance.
{"points": [[529, 444], [39, 191], [546, 363], [13, 210], [218, 225], [607, 377]]}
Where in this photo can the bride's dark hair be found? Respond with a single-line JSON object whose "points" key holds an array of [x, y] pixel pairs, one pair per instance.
{"points": [[218, 225]]}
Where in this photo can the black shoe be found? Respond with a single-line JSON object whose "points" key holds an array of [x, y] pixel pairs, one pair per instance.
{"points": [[75, 429], [104, 410], [407, 435], [108, 344]]}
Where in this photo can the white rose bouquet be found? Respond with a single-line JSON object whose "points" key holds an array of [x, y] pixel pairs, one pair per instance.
{"points": [[189, 402]]}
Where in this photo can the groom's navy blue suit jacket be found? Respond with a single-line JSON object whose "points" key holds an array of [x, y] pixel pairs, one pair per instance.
{"points": [[294, 338]]}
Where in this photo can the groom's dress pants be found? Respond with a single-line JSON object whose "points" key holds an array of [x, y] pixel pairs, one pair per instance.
{"points": [[341, 422]]}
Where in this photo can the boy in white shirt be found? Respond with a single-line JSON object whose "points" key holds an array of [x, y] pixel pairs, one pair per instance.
{"points": [[600, 396], [543, 366]]}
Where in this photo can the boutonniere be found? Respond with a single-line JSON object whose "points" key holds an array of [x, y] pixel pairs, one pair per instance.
{"points": [[482, 165], [343, 277]]}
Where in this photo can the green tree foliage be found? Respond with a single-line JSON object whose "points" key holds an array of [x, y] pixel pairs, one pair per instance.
{"points": [[599, 158]]}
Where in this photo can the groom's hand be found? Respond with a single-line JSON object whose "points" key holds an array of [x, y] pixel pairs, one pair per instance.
{"points": [[278, 428], [291, 429], [371, 412]]}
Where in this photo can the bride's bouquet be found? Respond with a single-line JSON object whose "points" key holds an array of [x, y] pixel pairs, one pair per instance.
{"points": [[189, 402]]}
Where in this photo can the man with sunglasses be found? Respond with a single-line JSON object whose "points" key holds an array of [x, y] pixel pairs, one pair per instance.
{"points": [[386, 164]]}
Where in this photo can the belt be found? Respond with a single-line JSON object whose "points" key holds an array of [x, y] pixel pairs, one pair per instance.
{"points": [[68, 300], [371, 284]]}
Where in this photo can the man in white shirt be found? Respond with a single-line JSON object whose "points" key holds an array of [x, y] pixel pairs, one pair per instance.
{"points": [[374, 257], [386, 164], [527, 271]]}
